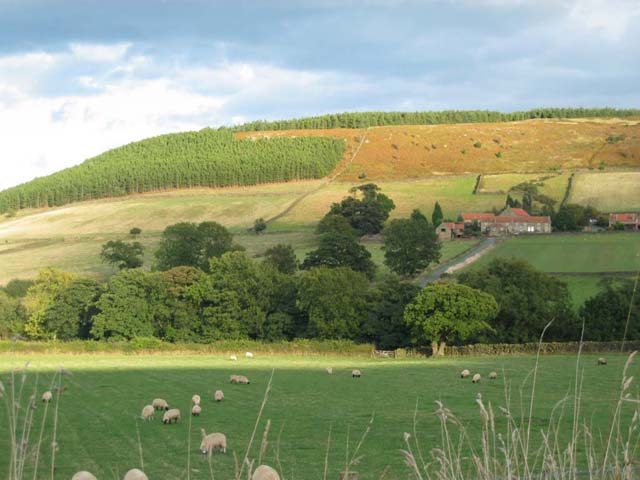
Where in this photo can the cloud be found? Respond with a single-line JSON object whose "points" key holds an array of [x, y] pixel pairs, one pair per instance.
{"points": [[97, 52]]}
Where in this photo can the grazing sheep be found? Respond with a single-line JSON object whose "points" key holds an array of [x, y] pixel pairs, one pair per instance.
{"points": [[476, 378], [465, 373], [195, 410], [135, 474], [160, 404], [241, 379], [233, 357], [212, 441], [47, 396], [602, 361], [218, 396], [329, 370], [83, 475], [356, 374], [265, 472], [493, 375], [172, 415], [148, 412], [248, 354], [195, 399]]}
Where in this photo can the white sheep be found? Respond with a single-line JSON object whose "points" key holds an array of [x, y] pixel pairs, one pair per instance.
{"points": [[233, 357], [172, 415], [476, 378], [135, 474], [212, 441], [248, 354], [47, 396], [195, 410], [356, 374], [83, 475], [465, 373], [265, 472], [329, 370], [218, 396], [241, 379], [160, 404], [148, 412], [602, 361], [493, 375], [195, 399]]}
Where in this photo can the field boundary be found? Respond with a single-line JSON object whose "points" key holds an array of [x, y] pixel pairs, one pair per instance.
{"points": [[567, 192]]}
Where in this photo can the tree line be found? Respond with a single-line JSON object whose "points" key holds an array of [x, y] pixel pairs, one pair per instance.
{"points": [[207, 158], [375, 119]]}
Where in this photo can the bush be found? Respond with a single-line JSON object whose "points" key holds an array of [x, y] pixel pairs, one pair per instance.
{"points": [[477, 145], [135, 231]]}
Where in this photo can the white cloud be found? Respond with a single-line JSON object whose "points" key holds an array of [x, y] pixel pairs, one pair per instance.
{"points": [[98, 52]]}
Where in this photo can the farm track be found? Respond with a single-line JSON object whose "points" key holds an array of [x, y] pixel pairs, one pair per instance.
{"points": [[327, 181]]}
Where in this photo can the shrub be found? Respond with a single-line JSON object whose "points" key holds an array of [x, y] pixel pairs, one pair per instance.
{"points": [[477, 145]]}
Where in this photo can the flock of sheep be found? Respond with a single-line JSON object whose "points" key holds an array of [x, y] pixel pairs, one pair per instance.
{"points": [[476, 376]]}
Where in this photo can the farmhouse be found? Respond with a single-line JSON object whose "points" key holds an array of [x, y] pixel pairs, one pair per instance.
{"points": [[449, 230], [630, 221], [511, 221]]}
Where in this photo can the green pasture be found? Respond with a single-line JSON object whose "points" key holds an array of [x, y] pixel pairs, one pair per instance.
{"points": [[98, 411]]}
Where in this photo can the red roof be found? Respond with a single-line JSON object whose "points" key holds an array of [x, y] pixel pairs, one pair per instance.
{"points": [[452, 225], [624, 218], [519, 212], [483, 217], [522, 219]]}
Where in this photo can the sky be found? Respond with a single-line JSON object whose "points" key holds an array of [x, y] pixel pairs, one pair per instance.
{"points": [[78, 77]]}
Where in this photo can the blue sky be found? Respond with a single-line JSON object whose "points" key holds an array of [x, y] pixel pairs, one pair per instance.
{"points": [[80, 76]]}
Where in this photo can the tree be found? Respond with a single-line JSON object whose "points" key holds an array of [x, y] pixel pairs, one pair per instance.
{"points": [[367, 214], [334, 301], [12, 316], [122, 255], [282, 257], [182, 319], [70, 314], [127, 308], [437, 216], [527, 202], [384, 325], [49, 283], [336, 224], [410, 245], [259, 226], [573, 217], [135, 231], [605, 314], [528, 300], [447, 312], [338, 250], [190, 244], [17, 288]]}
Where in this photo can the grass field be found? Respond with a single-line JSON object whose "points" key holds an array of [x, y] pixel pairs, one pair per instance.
{"points": [[608, 192], [97, 413], [611, 252], [582, 288], [553, 185]]}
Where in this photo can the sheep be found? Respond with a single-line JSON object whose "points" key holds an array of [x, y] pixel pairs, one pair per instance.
{"points": [[602, 361], [47, 396], [83, 475], [195, 399], [465, 373], [135, 474], [148, 412], [218, 396], [248, 354], [233, 358], [172, 415], [493, 375], [195, 410], [476, 378], [265, 472], [241, 379], [160, 404], [356, 374], [212, 441], [329, 370]]}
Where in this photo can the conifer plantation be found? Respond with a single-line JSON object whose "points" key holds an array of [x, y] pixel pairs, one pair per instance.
{"points": [[207, 158]]}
